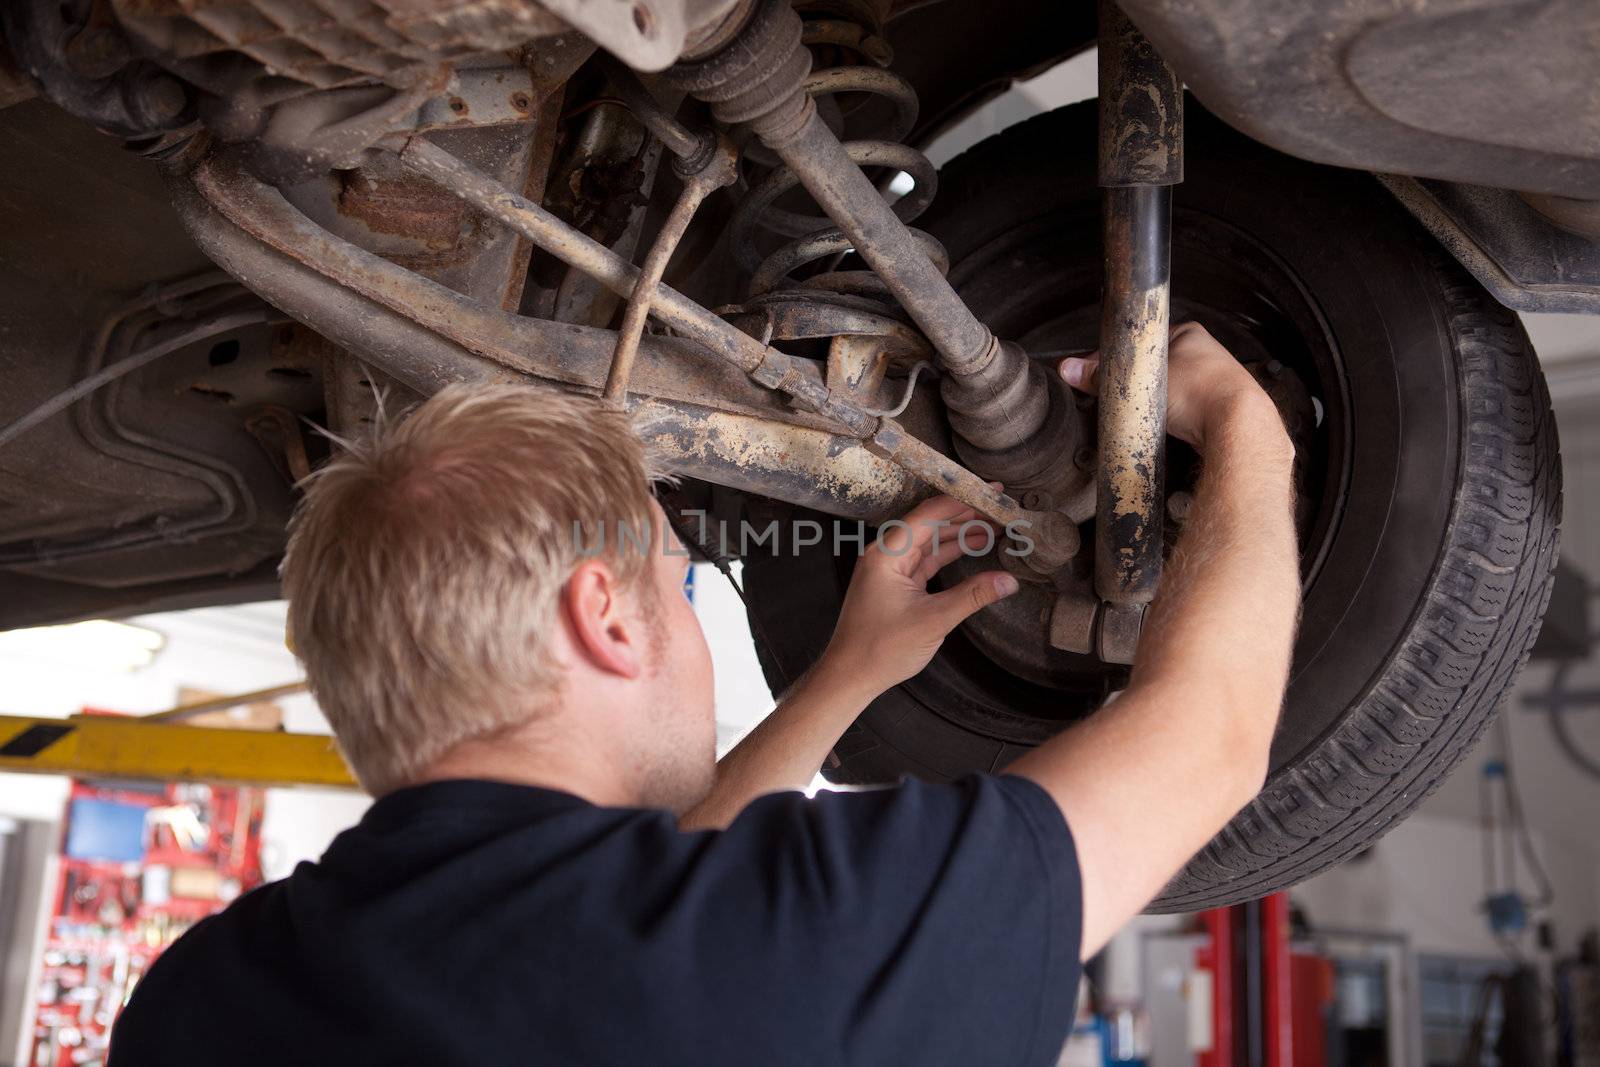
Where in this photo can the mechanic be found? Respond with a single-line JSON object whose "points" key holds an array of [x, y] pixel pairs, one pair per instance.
{"points": [[555, 870]]}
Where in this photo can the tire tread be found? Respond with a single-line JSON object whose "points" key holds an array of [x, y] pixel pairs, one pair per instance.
{"points": [[1478, 622]]}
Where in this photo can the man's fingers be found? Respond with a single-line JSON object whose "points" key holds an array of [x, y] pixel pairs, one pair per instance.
{"points": [[934, 514], [1082, 373], [934, 509], [935, 519], [978, 592], [937, 559], [972, 536]]}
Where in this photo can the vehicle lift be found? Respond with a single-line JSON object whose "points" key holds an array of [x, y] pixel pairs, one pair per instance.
{"points": [[160, 747], [1267, 1001]]}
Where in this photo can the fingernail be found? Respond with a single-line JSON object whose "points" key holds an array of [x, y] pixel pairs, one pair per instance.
{"points": [[1072, 370], [1005, 584]]}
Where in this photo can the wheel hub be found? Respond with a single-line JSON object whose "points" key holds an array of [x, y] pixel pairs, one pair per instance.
{"points": [[1040, 284]]}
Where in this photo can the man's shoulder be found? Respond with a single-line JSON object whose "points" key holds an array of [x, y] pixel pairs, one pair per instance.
{"points": [[252, 917], [192, 981]]}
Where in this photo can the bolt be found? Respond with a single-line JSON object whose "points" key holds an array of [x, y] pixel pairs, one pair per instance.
{"points": [[1085, 459], [164, 99], [1033, 500], [1178, 505]]}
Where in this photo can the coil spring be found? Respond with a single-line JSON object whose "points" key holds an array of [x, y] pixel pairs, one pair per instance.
{"points": [[859, 296]]}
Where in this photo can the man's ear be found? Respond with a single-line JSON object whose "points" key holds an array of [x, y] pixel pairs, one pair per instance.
{"points": [[596, 613]]}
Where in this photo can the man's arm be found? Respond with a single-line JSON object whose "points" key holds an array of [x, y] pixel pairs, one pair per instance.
{"points": [[1149, 779], [888, 630]]}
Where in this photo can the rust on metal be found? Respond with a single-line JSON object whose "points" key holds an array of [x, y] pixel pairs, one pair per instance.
{"points": [[856, 368], [790, 463], [403, 205], [1054, 537], [573, 354], [1072, 622], [562, 352], [754, 441], [339, 44], [1133, 397], [278, 430], [759, 78], [1141, 107]]}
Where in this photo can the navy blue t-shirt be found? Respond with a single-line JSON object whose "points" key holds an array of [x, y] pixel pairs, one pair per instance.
{"points": [[470, 922]]}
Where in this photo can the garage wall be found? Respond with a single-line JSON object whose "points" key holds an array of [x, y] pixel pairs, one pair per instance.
{"points": [[1425, 879]]}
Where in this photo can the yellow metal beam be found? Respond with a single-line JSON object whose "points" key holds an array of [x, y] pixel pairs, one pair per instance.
{"points": [[93, 746]]}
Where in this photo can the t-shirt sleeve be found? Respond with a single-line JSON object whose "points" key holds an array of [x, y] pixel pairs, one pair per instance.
{"points": [[920, 924]]}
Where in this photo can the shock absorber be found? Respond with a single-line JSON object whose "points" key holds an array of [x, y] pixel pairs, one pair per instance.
{"points": [[1013, 421], [853, 307], [1141, 159]]}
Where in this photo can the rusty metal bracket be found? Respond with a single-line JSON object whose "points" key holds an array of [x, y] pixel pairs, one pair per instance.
{"points": [[487, 96], [1141, 158]]}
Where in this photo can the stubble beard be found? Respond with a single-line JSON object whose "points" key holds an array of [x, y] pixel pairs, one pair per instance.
{"points": [[680, 764]]}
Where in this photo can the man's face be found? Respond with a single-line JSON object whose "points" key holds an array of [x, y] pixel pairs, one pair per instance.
{"points": [[682, 741]]}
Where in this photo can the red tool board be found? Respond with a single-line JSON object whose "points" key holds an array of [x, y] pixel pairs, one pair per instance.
{"points": [[139, 865]]}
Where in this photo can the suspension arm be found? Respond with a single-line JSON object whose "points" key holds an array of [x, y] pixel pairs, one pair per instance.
{"points": [[1055, 542], [448, 329], [427, 336]]}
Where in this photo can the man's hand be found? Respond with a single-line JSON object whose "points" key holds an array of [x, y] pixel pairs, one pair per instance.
{"points": [[890, 625], [888, 630], [1147, 780], [1206, 386]]}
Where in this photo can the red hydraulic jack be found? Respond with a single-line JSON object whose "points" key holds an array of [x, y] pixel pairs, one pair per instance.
{"points": [[1267, 1002]]}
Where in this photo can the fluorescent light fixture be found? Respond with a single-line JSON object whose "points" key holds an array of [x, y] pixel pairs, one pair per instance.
{"points": [[96, 645]]}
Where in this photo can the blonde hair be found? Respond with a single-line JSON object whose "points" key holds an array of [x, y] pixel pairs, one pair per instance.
{"points": [[424, 565]]}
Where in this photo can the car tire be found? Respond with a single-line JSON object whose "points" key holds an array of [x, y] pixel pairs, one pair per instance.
{"points": [[1442, 503]]}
